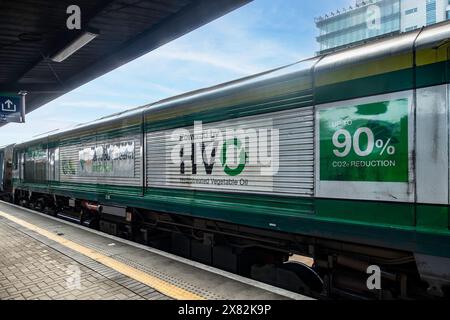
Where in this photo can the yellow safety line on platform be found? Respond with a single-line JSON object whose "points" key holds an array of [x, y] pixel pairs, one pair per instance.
{"points": [[136, 274]]}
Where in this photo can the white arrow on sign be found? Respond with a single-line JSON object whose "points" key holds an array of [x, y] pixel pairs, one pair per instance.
{"points": [[10, 106]]}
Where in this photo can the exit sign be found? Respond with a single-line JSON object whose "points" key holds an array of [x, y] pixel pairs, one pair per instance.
{"points": [[11, 108]]}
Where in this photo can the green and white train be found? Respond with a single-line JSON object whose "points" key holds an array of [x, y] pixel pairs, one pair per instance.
{"points": [[356, 171]]}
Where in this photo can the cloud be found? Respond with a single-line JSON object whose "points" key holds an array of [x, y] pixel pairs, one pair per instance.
{"points": [[227, 47], [212, 59], [90, 104]]}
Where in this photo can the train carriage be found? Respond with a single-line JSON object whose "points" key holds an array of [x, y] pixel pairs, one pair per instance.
{"points": [[342, 157]]}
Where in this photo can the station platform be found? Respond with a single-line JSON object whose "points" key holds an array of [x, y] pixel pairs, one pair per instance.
{"points": [[44, 258]]}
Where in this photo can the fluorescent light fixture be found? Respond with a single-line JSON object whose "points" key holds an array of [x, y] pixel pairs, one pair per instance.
{"points": [[74, 46]]}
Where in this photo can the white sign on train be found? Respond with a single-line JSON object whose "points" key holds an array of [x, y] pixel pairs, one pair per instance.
{"points": [[115, 160], [233, 157]]}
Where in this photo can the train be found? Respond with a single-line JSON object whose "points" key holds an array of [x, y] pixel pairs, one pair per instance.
{"points": [[343, 158]]}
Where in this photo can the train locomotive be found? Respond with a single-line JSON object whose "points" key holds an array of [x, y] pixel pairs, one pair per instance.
{"points": [[343, 158]]}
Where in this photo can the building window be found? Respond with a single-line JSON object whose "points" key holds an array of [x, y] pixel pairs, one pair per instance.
{"points": [[448, 14], [410, 11], [431, 12], [352, 25], [411, 28]]}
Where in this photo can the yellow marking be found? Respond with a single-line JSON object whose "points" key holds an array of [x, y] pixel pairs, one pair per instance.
{"points": [[367, 69], [136, 274], [385, 65], [429, 56]]}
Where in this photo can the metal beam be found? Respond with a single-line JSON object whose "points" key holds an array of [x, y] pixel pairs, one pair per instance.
{"points": [[32, 88]]}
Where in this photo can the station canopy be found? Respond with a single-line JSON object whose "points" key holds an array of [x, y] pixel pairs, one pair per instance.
{"points": [[41, 56]]}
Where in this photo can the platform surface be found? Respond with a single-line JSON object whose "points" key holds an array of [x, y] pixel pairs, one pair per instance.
{"points": [[42, 257]]}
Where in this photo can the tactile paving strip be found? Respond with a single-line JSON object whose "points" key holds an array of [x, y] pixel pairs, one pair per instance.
{"points": [[137, 287], [174, 276], [38, 271], [67, 233], [149, 270]]}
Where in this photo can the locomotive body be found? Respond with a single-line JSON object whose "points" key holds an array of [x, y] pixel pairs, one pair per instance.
{"points": [[350, 167]]}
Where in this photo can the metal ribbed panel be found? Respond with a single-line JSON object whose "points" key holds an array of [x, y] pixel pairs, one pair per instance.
{"points": [[69, 153], [296, 155]]}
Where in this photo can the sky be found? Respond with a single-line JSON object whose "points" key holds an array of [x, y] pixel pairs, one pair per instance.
{"points": [[256, 37]]}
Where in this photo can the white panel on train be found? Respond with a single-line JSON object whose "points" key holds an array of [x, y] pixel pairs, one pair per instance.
{"points": [[432, 145], [270, 153], [109, 161], [365, 148]]}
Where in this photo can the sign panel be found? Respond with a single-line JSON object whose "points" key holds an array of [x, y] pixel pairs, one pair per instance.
{"points": [[365, 143], [226, 156], [270, 153], [112, 160], [11, 108]]}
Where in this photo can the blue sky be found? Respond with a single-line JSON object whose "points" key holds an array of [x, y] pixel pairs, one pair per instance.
{"points": [[259, 36]]}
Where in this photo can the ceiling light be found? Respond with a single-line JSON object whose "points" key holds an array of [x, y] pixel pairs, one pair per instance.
{"points": [[74, 46]]}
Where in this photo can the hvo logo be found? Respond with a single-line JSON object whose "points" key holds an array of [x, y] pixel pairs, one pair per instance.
{"points": [[203, 152], [227, 157]]}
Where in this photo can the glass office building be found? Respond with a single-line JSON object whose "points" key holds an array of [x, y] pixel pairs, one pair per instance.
{"points": [[431, 12], [369, 19], [357, 23]]}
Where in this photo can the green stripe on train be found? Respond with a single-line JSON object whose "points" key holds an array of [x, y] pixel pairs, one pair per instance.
{"points": [[428, 75], [397, 225]]}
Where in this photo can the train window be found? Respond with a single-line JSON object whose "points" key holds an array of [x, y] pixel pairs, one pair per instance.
{"points": [[22, 166], [15, 161], [53, 164], [15, 166]]}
